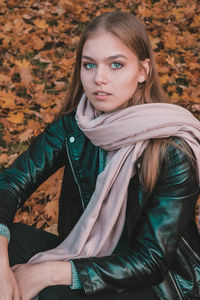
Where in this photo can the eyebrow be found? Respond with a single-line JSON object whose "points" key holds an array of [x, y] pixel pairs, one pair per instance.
{"points": [[108, 58]]}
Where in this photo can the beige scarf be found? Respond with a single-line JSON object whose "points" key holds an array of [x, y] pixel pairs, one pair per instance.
{"points": [[125, 134]]}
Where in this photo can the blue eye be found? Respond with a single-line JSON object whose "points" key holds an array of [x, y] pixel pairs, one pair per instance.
{"points": [[89, 66], [116, 65]]}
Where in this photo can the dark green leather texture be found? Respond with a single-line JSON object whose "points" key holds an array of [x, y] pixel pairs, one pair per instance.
{"points": [[157, 247]]}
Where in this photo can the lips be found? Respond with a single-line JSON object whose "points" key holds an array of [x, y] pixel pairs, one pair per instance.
{"points": [[101, 93]]}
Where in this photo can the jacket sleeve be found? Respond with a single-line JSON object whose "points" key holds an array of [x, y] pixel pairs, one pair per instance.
{"points": [[46, 154], [161, 225]]}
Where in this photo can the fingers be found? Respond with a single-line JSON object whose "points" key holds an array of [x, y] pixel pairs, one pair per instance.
{"points": [[16, 295], [16, 290]]}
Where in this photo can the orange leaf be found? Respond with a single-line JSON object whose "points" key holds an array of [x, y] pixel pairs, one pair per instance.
{"points": [[164, 79], [7, 100], [145, 12], [36, 42], [6, 39], [193, 66], [196, 21], [4, 79], [170, 40], [4, 158], [41, 23], [16, 117], [154, 42]]}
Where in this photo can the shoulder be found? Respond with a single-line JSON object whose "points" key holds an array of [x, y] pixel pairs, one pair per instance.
{"points": [[179, 163], [63, 125], [178, 151]]}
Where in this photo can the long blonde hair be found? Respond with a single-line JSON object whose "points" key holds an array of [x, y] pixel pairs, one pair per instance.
{"points": [[132, 32]]}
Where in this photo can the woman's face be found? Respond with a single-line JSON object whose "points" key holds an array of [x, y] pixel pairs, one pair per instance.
{"points": [[110, 71]]}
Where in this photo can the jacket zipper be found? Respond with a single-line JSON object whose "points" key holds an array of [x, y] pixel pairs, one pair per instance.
{"points": [[174, 283], [195, 254], [71, 165]]}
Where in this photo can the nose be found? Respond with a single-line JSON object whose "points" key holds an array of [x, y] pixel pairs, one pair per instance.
{"points": [[101, 75]]}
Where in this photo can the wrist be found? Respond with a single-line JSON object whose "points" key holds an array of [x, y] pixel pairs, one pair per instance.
{"points": [[60, 273], [4, 260]]}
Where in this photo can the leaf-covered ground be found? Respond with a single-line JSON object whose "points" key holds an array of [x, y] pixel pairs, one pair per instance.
{"points": [[37, 44]]}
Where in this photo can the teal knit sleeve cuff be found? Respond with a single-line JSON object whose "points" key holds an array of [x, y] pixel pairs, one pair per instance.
{"points": [[76, 282], [4, 230]]}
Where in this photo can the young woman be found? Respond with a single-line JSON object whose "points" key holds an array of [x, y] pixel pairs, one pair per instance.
{"points": [[126, 211]]}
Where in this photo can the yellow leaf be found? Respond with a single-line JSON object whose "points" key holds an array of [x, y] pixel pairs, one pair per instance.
{"points": [[24, 70], [24, 63]]}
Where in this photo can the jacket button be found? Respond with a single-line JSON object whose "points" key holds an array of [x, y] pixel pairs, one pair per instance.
{"points": [[71, 139]]}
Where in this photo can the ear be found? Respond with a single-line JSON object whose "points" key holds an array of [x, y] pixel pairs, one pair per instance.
{"points": [[144, 70]]}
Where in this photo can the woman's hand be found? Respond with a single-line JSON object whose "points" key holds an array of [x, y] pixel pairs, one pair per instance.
{"points": [[8, 286], [32, 278]]}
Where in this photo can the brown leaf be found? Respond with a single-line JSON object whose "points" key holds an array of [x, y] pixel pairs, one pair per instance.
{"points": [[154, 42], [24, 71], [60, 85], [51, 209], [26, 135], [52, 229]]}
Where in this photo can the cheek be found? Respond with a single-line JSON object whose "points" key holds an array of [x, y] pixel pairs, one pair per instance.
{"points": [[132, 80], [127, 78], [82, 76], [85, 78]]}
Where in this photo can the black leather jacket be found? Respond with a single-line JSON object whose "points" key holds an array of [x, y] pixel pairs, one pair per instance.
{"points": [[158, 246]]}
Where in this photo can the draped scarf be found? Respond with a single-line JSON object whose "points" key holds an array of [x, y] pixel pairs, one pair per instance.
{"points": [[124, 134]]}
